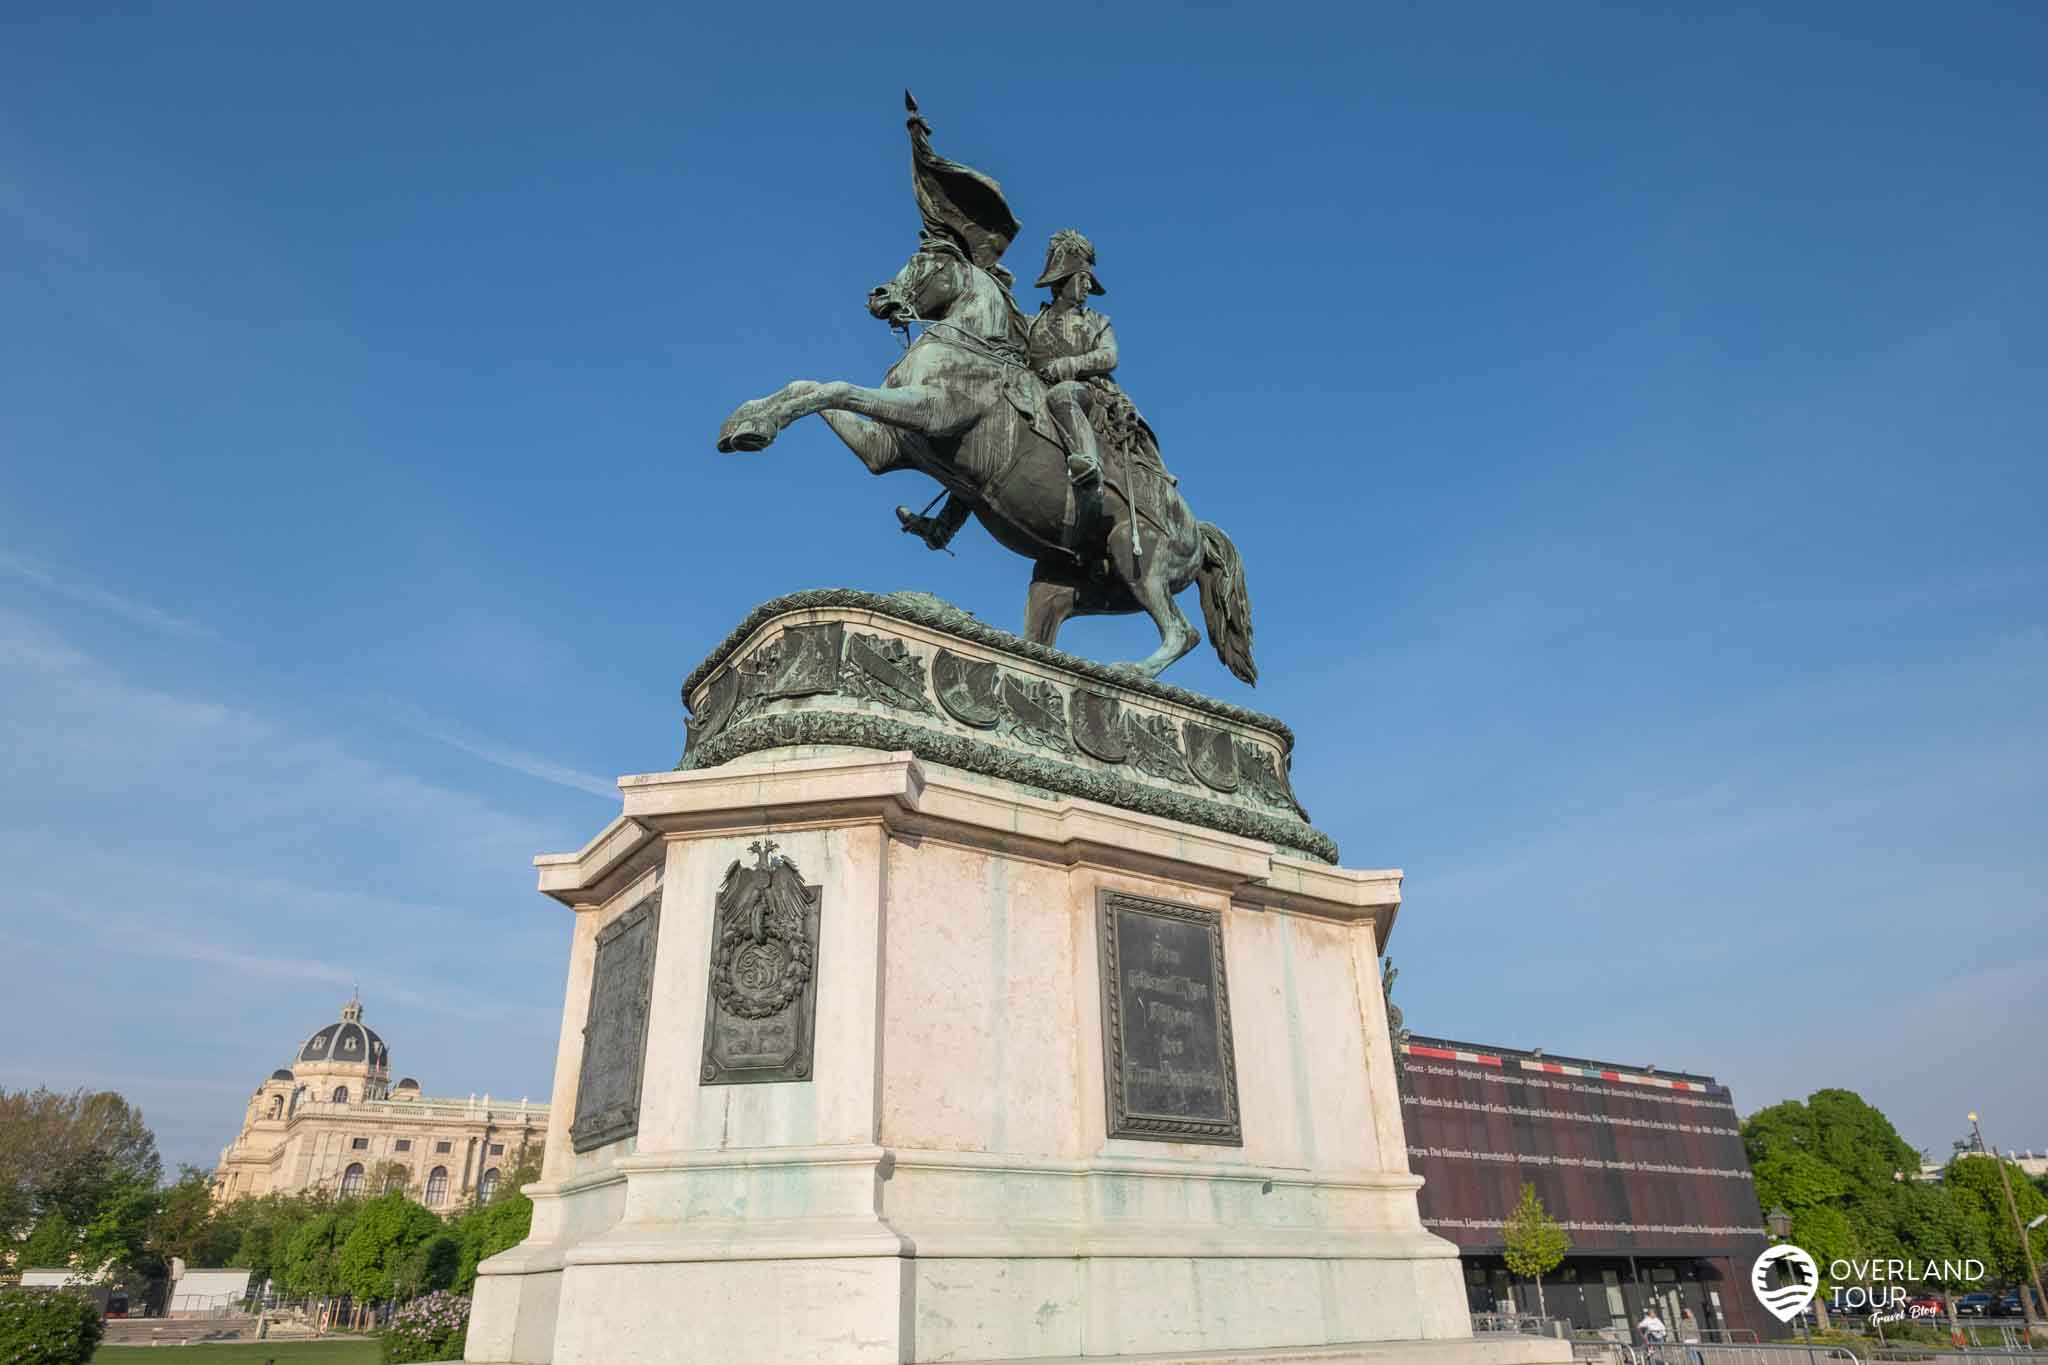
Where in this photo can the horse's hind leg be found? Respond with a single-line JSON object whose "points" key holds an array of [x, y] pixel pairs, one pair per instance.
{"points": [[1049, 602], [1150, 583]]}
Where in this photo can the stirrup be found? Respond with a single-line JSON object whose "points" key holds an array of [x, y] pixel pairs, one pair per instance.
{"points": [[926, 529]]}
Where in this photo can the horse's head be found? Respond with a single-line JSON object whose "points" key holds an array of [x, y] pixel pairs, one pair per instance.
{"points": [[927, 286]]}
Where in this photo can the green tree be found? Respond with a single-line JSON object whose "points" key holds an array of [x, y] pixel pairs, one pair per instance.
{"points": [[1974, 1179], [498, 1226], [50, 1327], [1835, 1164], [188, 1224], [432, 1265], [310, 1265], [1535, 1243], [51, 1246], [71, 1153], [386, 1234], [117, 1235]]}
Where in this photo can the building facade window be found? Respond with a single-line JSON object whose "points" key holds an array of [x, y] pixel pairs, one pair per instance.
{"points": [[488, 1186], [437, 1187], [277, 1106], [402, 1145], [443, 1148], [352, 1180], [341, 1094], [497, 1149], [359, 1144]]}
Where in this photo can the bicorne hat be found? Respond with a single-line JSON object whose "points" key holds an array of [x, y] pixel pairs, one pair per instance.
{"points": [[1066, 253]]}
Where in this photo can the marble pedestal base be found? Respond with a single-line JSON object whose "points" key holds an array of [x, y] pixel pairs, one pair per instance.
{"points": [[942, 1187], [958, 1164]]}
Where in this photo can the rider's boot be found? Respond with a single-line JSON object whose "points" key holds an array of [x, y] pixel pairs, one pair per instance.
{"points": [[1084, 460], [936, 532]]}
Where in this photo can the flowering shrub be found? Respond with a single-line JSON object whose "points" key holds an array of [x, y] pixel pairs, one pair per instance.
{"points": [[430, 1328], [48, 1327]]}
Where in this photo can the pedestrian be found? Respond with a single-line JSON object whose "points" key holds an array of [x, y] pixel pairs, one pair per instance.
{"points": [[1652, 1329], [1689, 1333]]}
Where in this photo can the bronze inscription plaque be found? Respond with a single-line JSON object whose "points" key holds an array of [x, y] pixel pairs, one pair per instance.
{"points": [[1168, 1063], [762, 1002], [615, 1034]]}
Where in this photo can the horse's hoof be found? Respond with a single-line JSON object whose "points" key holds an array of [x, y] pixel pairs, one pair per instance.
{"points": [[745, 433]]}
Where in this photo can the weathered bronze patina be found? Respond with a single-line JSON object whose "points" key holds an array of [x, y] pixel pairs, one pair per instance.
{"points": [[834, 666], [1168, 1063], [760, 1010], [1023, 427], [615, 1032]]}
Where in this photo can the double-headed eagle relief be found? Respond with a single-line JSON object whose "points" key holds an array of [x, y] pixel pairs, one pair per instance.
{"points": [[1022, 424]]}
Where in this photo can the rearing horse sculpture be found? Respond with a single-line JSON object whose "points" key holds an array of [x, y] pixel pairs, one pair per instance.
{"points": [[963, 406]]}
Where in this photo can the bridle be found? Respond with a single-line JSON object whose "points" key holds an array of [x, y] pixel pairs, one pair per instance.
{"points": [[1002, 351]]}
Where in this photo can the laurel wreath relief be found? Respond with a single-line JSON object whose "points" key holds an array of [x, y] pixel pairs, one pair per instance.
{"points": [[748, 983]]}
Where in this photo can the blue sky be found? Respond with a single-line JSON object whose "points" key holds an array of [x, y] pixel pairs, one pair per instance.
{"points": [[1631, 419]]}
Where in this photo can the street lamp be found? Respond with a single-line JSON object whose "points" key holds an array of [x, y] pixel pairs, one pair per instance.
{"points": [[1780, 1224], [2011, 1207]]}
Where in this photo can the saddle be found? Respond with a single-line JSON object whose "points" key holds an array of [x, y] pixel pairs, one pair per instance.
{"points": [[1131, 467]]}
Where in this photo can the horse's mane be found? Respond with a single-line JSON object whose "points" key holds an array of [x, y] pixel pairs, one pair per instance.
{"points": [[1019, 328], [1017, 325]]}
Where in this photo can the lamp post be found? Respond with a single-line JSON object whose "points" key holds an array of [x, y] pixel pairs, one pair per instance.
{"points": [[2013, 1208], [1780, 1224]]}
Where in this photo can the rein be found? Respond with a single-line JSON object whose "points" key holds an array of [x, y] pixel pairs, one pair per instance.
{"points": [[1002, 352]]}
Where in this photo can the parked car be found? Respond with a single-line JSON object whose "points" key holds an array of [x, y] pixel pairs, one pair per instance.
{"points": [[2009, 1305], [1973, 1306], [1926, 1306]]}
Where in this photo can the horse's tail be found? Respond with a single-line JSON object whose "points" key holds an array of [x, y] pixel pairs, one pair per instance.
{"points": [[1226, 606]]}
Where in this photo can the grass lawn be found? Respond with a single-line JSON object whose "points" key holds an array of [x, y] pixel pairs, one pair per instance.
{"points": [[244, 1353]]}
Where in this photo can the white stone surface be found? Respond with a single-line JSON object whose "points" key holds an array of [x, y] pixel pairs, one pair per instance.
{"points": [[943, 1188]]}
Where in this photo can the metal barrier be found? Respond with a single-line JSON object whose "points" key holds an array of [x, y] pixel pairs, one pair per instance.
{"points": [[1524, 1324], [1742, 1353]]}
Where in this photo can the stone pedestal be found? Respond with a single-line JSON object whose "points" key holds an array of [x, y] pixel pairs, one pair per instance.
{"points": [[856, 1088]]}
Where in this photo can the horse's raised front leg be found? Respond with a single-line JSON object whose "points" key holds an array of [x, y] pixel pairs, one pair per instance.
{"points": [[914, 407]]}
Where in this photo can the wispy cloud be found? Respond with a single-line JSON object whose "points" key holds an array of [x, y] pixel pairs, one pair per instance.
{"points": [[215, 879], [503, 755], [80, 590], [167, 934]]}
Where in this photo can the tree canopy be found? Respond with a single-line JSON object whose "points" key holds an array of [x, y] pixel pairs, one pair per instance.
{"points": [[81, 1185], [79, 1174], [1972, 1180], [1836, 1164]]}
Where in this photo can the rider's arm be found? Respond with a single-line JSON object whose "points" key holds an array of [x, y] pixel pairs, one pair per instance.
{"points": [[1099, 359]]}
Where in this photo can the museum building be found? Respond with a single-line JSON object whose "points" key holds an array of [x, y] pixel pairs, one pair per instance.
{"points": [[332, 1120], [1643, 1168]]}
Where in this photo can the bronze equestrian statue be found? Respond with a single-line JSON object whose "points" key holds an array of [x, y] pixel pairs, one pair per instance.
{"points": [[1023, 427]]}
